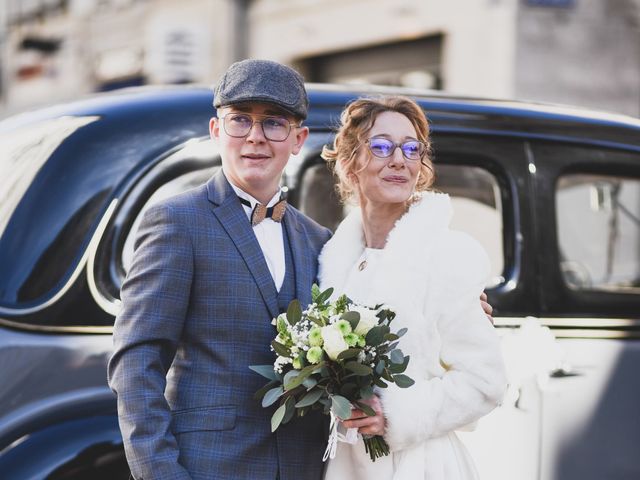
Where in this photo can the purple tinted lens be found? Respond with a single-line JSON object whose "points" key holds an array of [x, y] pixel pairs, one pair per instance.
{"points": [[412, 150], [381, 147]]}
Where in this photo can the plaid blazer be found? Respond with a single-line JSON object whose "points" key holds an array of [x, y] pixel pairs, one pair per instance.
{"points": [[196, 311]]}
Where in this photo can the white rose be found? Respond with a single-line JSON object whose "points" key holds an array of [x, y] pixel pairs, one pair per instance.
{"points": [[368, 319], [334, 343]]}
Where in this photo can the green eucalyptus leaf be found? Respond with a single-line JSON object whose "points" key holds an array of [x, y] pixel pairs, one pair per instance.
{"points": [[290, 409], [272, 395], [380, 383], [401, 367], [380, 367], [358, 368], [294, 312], [352, 317], [397, 356], [391, 337], [370, 412], [310, 398], [386, 374], [403, 381], [401, 332], [324, 296], [366, 392], [309, 383], [304, 373], [375, 336], [316, 320], [315, 291], [264, 389], [349, 353], [277, 417], [340, 407], [280, 349], [290, 375], [265, 370]]}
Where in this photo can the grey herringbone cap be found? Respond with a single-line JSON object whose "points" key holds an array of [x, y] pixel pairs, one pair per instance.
{"points": [[263, 81]]}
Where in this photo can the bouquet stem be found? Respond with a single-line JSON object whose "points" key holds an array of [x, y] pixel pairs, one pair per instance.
{"points": [[376, 447]]}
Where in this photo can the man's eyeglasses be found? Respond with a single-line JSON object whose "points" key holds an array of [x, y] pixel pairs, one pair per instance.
{"points": [[412, 150], [276, 129]]}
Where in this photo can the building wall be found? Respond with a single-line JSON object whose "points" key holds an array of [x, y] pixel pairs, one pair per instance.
{"points": [[586, 54], [113, 43], [478, 37]]}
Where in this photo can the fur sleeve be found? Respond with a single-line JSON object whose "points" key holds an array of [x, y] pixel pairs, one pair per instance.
{"points": [[473, 379]]}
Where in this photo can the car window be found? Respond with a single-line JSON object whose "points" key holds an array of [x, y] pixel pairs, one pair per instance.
{"points": [[475, 196], [46, 218], [598, 221]]}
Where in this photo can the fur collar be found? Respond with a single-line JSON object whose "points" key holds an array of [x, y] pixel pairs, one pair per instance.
{"points": [[407, 244]]}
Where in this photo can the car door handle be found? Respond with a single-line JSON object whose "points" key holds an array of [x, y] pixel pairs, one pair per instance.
{"points": [[564, 373]]}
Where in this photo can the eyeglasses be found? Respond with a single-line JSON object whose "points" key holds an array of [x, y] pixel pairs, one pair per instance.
{"points": [[239, 125], [412, 150]]}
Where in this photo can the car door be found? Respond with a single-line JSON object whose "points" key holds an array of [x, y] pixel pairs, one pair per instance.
{"points": [[588, 211]]}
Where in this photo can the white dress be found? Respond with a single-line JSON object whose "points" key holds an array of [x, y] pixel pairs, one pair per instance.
{"points": [[458, 371]]}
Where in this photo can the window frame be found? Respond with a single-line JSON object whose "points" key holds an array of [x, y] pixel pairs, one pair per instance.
{"points": [[554, 160], [108, 271]]}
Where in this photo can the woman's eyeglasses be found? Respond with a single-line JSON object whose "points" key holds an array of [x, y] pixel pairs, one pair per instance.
{"points": [[276, 129], [380, 147]]}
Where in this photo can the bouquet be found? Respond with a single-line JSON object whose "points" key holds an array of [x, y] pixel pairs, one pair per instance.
{"points": [[330, 357]]}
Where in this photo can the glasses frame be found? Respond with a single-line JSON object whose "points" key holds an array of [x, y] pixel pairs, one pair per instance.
{"points": [[397, 145], [261, 122]]}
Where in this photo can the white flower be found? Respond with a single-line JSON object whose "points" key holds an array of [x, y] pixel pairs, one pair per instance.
{"points": [[368, 319], [281, 362], [334, 343]]}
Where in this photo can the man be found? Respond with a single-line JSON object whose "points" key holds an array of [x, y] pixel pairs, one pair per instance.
{"points": [[200, 295]]}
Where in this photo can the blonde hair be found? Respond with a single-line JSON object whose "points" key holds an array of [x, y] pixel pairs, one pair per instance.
{"points": [[355, 122]]}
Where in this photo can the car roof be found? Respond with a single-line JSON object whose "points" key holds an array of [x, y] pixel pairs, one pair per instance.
{"points": [[446, 112]]}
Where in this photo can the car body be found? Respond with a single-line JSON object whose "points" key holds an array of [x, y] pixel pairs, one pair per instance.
{"points": [[552, 193]]}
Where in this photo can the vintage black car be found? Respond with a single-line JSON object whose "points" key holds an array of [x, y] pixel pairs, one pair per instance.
{"points": [[552, 193]]}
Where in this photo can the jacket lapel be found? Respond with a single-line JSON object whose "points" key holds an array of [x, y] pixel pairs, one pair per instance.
{"points": [[233, 219], [303, 262]]}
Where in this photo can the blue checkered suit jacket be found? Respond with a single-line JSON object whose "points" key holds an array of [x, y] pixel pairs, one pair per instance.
{"points": [[197, 306]]}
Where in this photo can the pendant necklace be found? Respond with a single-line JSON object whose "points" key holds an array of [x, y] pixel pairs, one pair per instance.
{"points": [[363, 264]]}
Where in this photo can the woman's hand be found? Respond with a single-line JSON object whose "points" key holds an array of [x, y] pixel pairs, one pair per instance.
{"points": [[366, 425], [486, 306]]}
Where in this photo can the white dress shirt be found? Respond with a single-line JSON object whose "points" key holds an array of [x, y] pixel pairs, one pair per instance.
{"points": [[269, 235]]}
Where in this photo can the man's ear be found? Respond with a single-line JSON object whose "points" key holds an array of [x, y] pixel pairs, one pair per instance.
{"points": [[214, 128], [302, 133]]}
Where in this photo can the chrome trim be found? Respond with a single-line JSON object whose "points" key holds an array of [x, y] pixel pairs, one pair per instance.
{"points": [[111, 306], [611, 328], [93, 244], [560, 322], [52, 328]]}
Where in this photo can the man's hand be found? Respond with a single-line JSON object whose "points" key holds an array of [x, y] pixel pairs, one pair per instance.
{"points": [[488, 309], [366, 425]]}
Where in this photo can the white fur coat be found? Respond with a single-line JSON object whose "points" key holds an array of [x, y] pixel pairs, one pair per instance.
{"points": [[432, 277]]}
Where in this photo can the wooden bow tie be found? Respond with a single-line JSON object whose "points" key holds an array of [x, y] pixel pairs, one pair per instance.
{"points": [[260, 212]]}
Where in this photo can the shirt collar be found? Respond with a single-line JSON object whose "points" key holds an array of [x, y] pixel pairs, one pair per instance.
{"points": [[242, 194]]}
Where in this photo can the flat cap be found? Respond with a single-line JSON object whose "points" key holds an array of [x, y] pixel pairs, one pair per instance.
{"points": [[262, 81]]}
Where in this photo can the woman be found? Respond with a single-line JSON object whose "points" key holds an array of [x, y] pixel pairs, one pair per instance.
{"points": [[397, 249]]}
